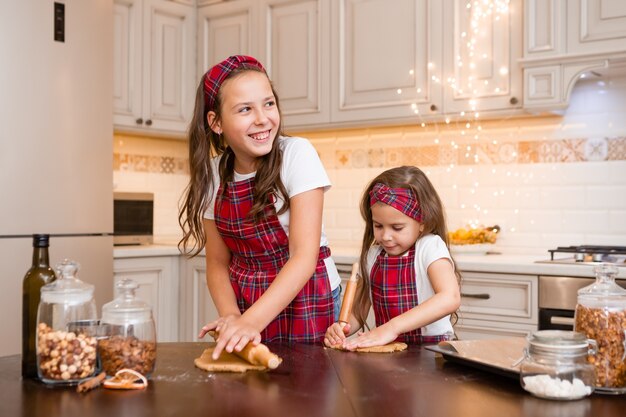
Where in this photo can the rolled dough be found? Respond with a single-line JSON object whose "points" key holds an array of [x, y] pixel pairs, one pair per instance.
{"points": [[388, 348], [227, 362]]}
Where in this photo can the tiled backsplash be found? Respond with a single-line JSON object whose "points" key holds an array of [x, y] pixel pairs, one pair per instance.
{"points": [[547, 181]]}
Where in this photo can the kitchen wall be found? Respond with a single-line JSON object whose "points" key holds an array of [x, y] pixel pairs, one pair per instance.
{"points": [[153, 165], [546, 180]]}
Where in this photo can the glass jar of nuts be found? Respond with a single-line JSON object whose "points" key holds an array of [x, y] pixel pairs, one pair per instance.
{"points": [[66, 353], [601, 315], [131, 334]]}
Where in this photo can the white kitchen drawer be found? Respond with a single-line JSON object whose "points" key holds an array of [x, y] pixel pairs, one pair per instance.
{"points": [[499, 297], [469, 329]]}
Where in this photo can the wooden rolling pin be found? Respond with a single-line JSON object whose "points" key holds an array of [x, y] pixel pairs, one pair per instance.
{"points": [[256, 355], [348, 297]]}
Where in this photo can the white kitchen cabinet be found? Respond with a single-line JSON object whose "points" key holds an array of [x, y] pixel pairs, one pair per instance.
{"points": [[158, 286], [196, 308], [497, 305], [563, 39], [154, 65], [225, 29], [597, 26], [385, 61], [487, 76], [294, 46], [359, 62], [469, 329]]}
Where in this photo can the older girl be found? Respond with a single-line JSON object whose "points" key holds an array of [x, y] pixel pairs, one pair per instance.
{"points": [[254, 202]]}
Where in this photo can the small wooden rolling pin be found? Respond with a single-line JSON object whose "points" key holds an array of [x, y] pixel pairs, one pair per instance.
{"points": [[348, 297], [256, 355]]}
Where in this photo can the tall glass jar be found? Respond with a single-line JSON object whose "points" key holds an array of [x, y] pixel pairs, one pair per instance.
{"points": [[131, 333], [601, 315], [555, 365], [66, 353]]}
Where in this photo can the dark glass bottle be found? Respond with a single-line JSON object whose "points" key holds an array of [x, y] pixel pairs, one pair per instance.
{"points": [[37, 276]]}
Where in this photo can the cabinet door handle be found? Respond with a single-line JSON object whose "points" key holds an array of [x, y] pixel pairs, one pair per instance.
{"points": [[513, 100], [139, 121], [483, 296], [433, 107], [148, 122]]}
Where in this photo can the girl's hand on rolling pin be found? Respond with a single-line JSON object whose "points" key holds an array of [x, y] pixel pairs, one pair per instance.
{"points": [[235, 334], [217, 325], [377, 337], [335, 334]]}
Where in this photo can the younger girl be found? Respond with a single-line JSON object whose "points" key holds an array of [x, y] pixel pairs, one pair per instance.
{"points": [[254, 201], [405, 263]]}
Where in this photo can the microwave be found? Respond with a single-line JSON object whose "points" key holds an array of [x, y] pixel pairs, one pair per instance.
{"points": [[133, 218]]}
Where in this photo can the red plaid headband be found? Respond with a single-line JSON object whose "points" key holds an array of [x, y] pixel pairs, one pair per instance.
{"points": [[216, 75], [401, 199]]}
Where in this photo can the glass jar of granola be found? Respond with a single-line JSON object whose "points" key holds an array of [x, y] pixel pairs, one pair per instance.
{"points": [[131, 336], [601, 315]]}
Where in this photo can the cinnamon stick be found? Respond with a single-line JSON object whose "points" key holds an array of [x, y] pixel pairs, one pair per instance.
{"points": [[91, 383]]}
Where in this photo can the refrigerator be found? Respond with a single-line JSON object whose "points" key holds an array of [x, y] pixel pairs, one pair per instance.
{"points": [[56, 145]]}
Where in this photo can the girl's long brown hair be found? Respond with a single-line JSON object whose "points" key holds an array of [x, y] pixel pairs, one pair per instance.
{"points": [[433, 219], [204, 144]]}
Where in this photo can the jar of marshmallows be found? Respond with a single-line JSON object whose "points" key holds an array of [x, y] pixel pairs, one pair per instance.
{"points": [[555, 365]]}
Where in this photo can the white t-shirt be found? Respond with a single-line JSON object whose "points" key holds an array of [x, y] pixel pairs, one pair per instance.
{"points": [[301, 171], [428, 249]]}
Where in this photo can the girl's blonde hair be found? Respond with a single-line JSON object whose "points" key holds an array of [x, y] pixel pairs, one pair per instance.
{"points": [[433, 220], [204, 144]]}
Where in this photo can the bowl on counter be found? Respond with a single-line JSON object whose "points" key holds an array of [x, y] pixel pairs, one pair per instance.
{"points": [[472, 249]]}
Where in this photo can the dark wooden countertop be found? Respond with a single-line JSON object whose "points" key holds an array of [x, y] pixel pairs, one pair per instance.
{"points": [[311, 381]]}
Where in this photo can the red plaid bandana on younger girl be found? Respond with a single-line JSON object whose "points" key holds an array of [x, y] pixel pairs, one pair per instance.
{"points": [[216, 75], [402, 199]]}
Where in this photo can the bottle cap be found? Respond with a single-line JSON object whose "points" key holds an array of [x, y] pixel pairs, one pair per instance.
{"points": [[41, 241]]}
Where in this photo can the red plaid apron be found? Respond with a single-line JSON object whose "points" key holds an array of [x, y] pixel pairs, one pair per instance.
{"points": [[259, 250], [394, 292]]}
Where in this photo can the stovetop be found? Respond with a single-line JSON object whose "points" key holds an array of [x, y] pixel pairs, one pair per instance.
{"points": [[587, 255]]}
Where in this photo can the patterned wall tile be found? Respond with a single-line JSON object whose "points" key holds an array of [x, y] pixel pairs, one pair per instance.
{"points": [[359, 158], [464, 151], [342, 158], [376, 157], [616, 149], [477, 152], [393, 157], [150, 164]]}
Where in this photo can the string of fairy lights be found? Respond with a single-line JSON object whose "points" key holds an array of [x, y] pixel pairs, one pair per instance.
{"points": [[471, 56]]}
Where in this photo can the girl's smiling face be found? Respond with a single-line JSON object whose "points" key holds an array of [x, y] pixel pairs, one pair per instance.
{"points": [[393, 230], [249, 118]]}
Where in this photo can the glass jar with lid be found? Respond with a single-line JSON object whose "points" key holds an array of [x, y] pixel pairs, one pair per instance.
{"points": [[601, 315], [66, 351], [555, 365], [131, 336]]}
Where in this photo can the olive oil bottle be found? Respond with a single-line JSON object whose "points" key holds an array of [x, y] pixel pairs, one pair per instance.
{"points": [[39, 274]]}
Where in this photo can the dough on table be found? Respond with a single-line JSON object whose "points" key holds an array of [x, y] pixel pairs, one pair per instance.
{"points": [[227, 362], [388, 348]]}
